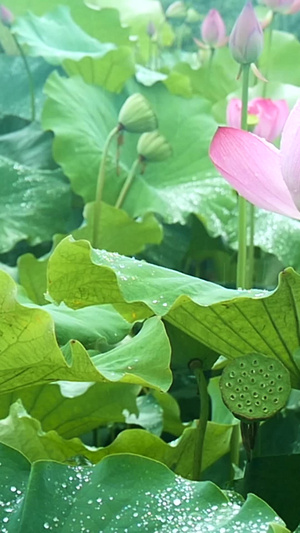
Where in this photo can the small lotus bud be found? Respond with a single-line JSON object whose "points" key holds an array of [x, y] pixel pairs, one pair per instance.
{"points": [[153, 147], [246, 39], [136, 115], [6, 16], [192, 16], [213, 30], [151, 29], [176, 10]]}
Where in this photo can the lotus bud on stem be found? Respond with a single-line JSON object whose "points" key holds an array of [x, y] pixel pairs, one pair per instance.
{"points": [[246, 44], [152, 147], [136, 116]]}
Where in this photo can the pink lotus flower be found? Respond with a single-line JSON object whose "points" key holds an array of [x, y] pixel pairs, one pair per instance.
{"points": [[213, 30], [283, 6], [246, 39], [263, 174], [271, 116]]}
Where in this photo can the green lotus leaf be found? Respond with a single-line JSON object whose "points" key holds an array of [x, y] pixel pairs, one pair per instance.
{"points": [[55, 36], [118, 493], [30, 354], [34, 204], [24, 433], [81, 117], [228, 321], [15, 96], [72, 409], [118, 231]]}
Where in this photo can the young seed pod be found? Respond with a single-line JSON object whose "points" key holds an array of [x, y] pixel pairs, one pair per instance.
{"points": [[255, 387], [152, 146], [136, 115]]}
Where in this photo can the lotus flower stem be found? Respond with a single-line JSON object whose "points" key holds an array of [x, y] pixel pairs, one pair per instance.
{"points": [[127, 183], [241, 280], [100, 187], [235, 448], [251, 247], [196, 366], [269, 32], [29, 75]]}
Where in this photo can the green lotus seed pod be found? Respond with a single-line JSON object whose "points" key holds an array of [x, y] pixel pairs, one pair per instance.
{"points": [[136, 115], [153, 147], [176, 10], [255, 387]]}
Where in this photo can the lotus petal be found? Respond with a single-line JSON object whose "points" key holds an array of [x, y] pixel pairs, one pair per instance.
{"points": [[252, 166], [290, 153]]}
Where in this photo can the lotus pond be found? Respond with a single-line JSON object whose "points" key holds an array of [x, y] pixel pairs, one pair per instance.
{"points": [[149, 266]]}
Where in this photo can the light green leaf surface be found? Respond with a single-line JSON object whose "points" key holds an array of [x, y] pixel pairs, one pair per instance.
{"points": [[81, 117], [111, 71], [118, 494], [228, 321], [103, 25], [55, 36], [34, 204], [73, 409], [118, 231], [30, 146], [14, 94], [137, 16], [24, 433], [30, 354], [215, 82], [95, 327], [281, 64], [33, 277]]}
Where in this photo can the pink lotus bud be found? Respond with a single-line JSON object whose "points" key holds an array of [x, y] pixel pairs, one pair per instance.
{"points": [[213, 30], [6, 16], [246, 39], [268, 116], [283, 6]]}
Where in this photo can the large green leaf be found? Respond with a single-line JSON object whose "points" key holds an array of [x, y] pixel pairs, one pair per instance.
{"points": [[118, 231], [103, 25], [30, 146], [281, 64], [57, 38], [137, 15], [14, 94], [214, 81], [32, 274], [24, 433], [73, 409], [34, 204], [228, 321], [81, 117], [95, 327], [111, 72], [30, 353], [123, 492]]}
